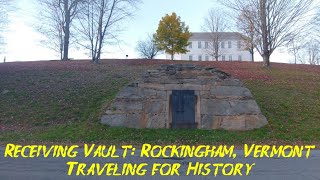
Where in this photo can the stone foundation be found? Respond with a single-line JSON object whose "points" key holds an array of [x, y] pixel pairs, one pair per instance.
{"points": [[222, 102]]}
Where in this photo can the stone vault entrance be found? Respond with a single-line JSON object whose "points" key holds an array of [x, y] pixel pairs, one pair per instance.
{"points": [[185, 96], [183, 109]]}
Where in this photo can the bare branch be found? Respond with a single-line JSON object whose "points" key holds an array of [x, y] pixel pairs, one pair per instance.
{"points": [[5, 7], [215, 23], [100, 21], [148, 48], [275, 22], [57, 23]]}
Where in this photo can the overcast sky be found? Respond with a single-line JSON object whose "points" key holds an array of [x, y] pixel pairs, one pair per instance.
{"points": [[23, 42]]}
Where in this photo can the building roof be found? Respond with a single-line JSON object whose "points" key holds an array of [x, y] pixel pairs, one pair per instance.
{"points": [[208, 35]]}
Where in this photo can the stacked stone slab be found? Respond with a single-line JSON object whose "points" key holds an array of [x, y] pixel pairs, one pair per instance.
{"points": [[222, 101]]}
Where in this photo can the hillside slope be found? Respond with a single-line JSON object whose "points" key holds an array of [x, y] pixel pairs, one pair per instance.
{"points": [[62, 102]]}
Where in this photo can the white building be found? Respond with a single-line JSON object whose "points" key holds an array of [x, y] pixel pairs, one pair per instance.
{"points": [[231, 47]]}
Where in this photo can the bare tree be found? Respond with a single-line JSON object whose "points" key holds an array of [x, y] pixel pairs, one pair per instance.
{"points": [[215, 23], [100, 23], [276, 22], [5, 7], [57, 18], [313, 52], [246, 25], [148, 48], [294, 47], [316, 21]]}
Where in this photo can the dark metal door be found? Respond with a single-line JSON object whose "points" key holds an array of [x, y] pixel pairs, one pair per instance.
{"points": [[183, 109]]}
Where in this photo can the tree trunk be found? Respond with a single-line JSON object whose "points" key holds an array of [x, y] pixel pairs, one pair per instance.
{"points": [[96, 61], [99, 47], [266, 61], [216, 54], [66, 45], [61, 54], [66, 31], [252, 56], [61, 45], [98, 57], [264, 29], [295, 55], [172, 54]]}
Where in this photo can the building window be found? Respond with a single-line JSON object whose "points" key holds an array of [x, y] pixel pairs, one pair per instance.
{"points": [[222, 45], [190, 45], [190, 58], [239, 44], [207, 58], [230, 57], [229, 44], [223, 57], [200, 58], [199, 45], [240, 58], [206, 45]]}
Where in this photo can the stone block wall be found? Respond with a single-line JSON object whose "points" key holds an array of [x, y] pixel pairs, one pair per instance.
{"points": [[222, 102]]}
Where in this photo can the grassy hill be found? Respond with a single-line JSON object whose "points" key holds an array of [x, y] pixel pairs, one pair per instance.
{"points": [[48, 102]]}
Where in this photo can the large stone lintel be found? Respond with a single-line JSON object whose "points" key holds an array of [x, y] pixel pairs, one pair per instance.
{"points": [[152, 86]]}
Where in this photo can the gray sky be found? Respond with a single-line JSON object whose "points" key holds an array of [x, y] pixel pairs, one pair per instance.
{"points": [[23, 42]]}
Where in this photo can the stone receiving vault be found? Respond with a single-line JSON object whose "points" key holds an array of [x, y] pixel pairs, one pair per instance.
{"points": [[220, 101]]}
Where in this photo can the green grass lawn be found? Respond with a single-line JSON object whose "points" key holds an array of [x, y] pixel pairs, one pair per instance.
{"points": [[61, 102]]}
